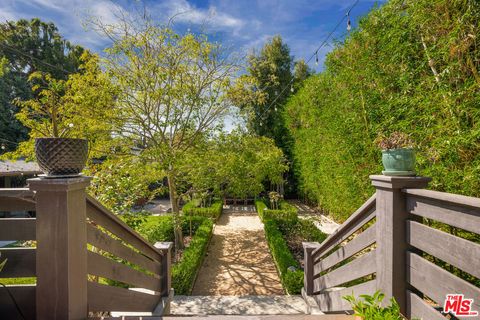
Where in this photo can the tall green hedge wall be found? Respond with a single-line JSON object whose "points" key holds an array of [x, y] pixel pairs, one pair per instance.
{"points": [[411, 66]]}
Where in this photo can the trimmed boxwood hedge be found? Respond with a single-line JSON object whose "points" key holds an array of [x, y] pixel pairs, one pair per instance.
{"points": [[292, 281], [185, 271], [286, 211], [281, 226], [214, 211]]}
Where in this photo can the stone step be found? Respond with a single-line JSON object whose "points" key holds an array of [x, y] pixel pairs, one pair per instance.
{"points": [[238, 305]]}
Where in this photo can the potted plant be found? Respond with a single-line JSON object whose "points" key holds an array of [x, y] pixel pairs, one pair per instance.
{"points": [[398, 155], [49, 118]]}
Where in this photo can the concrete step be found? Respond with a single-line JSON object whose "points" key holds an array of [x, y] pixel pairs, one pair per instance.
{"points": [[223, 317], [237, 305]]}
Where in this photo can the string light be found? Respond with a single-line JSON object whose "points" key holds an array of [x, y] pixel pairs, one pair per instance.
{"points": [[349, 23], [292, 89], [316, 58]]}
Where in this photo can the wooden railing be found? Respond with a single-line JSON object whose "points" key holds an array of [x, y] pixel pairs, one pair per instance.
{"points": [[412, 244], [344, 262], [86, 259], [117, 253], [20, 260], [431, 244]]}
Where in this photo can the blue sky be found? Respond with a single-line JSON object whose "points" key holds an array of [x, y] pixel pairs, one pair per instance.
{"points": [[240, 24]]}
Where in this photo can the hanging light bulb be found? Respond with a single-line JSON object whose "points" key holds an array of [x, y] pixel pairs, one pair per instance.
{"points": [[349, 23], [275, 109], [316, 58], [292, 89]]}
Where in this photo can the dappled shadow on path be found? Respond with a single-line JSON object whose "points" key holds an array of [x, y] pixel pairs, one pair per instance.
{"points": [[238, 260]]}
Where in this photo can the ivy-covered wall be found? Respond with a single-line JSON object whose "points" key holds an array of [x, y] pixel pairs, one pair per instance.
{"points": [[411, 66]]}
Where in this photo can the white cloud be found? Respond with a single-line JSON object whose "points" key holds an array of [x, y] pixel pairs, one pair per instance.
{"points": [[184, 12]]}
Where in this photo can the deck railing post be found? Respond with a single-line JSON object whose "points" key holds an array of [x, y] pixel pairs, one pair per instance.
{"points": [[308, 247], [61, 259], [391, 234], [165, 250]]}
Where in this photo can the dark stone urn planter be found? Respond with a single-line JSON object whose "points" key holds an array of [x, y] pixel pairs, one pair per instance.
{"points": [[61, 157], [399, 162]]}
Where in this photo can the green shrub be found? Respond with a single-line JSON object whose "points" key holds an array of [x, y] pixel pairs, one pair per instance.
{"points": [[160, 228], [184, 272], [379, 80], [286, 211], [292, 281], [370, 307], [214, 211]]}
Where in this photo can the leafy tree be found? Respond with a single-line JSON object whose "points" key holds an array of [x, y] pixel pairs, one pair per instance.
{"points": [[27, 47], [272, 71], [120, 183], [234, 164], [80, 107], [172, 90], [262, 93]]}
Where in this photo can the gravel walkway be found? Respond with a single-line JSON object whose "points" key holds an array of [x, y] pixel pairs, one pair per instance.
{"points": [[238, 260]]}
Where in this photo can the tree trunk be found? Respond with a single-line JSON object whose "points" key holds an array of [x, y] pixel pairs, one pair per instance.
{"points": [[177, 225]]}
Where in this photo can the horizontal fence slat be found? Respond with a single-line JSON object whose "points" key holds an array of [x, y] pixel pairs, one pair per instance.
{"points": [[108, 268], [21, 199], [358, 268], [102, 241], [20, 262], [328, 245], [417, 308], [14, 229], [333, 300], [24, 296], [436, 282], [107, 298], [463, 201], [456, 251], [463, 217], [363, 214], [359, 243], [101, 216]]}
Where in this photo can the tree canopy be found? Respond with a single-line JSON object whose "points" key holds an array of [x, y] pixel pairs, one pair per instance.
{"points": [[28, 46]]}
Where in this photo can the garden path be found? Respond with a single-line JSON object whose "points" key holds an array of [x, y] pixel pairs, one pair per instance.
{"points": [[238, 260], [322, 222]]}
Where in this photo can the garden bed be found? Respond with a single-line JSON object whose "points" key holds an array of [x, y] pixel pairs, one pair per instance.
{"points": [[285, 233], [187, 262]]}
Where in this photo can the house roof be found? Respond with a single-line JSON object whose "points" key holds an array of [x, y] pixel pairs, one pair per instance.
{"points": [[18, 167]]}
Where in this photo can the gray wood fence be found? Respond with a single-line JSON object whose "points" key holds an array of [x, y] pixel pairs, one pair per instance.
{"points": [[412, 244], [84, 258]]}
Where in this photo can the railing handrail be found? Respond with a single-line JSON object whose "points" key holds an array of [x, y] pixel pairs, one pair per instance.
{"points": [[118, 221], [461, 200], [352, 221], [22, 193]]}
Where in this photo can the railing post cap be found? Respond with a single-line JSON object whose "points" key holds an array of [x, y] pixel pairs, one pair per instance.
{"points": [[399, 182], [60, 184], [310, 245], [163, 245]]}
